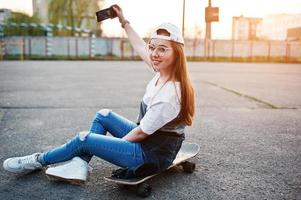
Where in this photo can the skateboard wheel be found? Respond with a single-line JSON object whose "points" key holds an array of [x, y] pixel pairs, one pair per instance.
{"points": [[144, 190], [188, 167]]}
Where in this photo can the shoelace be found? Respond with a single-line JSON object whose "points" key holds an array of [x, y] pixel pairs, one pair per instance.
{"points": [[90, 169], [28, 160]]}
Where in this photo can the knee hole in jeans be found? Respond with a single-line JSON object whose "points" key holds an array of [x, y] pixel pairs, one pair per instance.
{"points": [[104, 112], [82, 135]]}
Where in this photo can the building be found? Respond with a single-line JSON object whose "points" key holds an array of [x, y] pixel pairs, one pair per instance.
{"points": [[4, 14], [245, 28], [294, 34], [276, 27]]}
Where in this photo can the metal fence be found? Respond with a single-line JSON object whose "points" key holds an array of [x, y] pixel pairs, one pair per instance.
{"points": [[94, 48]]}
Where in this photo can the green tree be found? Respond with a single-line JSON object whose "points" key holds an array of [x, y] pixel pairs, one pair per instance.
{"points": [[23, 27], [74, 13]]}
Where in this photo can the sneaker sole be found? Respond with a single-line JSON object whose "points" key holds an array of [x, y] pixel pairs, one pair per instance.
{"points": [[72, 181]]}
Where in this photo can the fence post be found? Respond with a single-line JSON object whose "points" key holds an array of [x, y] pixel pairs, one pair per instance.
{"points": [[269, 50], [76, 47], [232, 50], [2, 49], [49, 41], [209, 43], [251, 51], [68, 46], [92, 45], [22, 49], [288, 50], [122, 48], [132, 52], [213, 50], [29, 47], [205, 48]]}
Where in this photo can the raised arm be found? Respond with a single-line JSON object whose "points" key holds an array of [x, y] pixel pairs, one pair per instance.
{"points": [[136, 41]]}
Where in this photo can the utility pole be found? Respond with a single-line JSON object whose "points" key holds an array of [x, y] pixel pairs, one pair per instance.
{"points": [[183, 19], [208, 25], [211, 15]]}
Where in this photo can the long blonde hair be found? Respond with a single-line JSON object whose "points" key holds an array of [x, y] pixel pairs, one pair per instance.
{"points": [[179, 72]]}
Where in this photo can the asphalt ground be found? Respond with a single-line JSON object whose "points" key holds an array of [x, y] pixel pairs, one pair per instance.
{"points": [[247, 124]]}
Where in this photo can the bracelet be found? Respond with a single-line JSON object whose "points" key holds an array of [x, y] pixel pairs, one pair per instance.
{"points": [[124, 23]]}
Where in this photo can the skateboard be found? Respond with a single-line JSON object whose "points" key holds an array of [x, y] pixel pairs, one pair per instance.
{"points": [[187, 151]]}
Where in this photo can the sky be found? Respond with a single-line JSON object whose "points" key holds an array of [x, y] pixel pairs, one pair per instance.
{"points": [[145, 15]]}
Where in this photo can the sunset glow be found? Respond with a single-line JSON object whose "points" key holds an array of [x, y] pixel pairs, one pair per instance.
{"points": [[145, 15]]}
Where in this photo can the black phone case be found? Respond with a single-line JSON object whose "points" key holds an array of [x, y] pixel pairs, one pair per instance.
{"points": [[105, 14]]}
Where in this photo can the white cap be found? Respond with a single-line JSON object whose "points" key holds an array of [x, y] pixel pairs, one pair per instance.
{"points": [[174, 31]]}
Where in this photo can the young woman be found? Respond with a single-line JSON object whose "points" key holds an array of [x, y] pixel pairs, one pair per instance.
{"points": [[152, 143]]}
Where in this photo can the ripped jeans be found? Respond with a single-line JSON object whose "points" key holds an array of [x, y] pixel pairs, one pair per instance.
{"points": [[95, 142]]}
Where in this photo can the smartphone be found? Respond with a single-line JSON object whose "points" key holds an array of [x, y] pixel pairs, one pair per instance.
{"points": [[105, 14]]}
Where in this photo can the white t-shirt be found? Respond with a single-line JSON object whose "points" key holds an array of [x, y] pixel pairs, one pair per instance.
{"points": [[163, 104]]}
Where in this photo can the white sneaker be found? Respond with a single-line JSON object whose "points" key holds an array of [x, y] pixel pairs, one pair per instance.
{"points": [[22, 164], [75, 171]]}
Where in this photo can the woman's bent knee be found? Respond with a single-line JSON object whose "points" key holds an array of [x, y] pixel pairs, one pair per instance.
{"points": [[82, 135], [101, 114], [104, 112]]}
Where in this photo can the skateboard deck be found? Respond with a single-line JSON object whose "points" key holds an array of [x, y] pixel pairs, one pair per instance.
{"points": [[187, 151]]}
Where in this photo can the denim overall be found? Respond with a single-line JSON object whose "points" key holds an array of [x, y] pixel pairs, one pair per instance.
{"points": [[161, 147]]}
